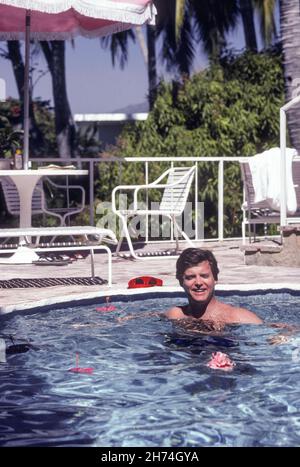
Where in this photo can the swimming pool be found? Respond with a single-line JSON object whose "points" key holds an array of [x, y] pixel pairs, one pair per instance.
{"points": [[150, 385]]}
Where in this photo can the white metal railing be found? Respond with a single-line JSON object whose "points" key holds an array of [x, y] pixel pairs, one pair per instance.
{"points": [[171, 160], [219, 160]]}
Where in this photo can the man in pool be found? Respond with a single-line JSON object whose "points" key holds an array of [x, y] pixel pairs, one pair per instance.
{"points": [[197, 272]]}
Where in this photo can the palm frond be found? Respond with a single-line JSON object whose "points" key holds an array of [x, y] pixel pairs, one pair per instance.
{"points": [[185, 50], [266, 9], [118, 44], [179, 17], [214, 19]]}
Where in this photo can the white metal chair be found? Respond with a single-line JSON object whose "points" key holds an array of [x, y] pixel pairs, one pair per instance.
{"points": [[40, 203], [173, 201]]}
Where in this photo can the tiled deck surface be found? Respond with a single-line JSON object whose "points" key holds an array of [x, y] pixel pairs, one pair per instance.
{"points": [[228, 254]]}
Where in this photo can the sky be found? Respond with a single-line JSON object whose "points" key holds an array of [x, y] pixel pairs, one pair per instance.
{"points": [[93, 84]]}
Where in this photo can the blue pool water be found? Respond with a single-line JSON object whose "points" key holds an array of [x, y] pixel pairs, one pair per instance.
{"points": [[150, 385]]}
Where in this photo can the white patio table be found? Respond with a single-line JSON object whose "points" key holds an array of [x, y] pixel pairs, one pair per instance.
{"points": [[25, 181]]}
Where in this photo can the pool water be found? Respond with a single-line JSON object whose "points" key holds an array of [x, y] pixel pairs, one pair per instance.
{"points": [[150, 385]]}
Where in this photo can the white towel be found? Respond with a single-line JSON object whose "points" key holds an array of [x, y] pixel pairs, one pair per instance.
{"points": [[266, 178]]}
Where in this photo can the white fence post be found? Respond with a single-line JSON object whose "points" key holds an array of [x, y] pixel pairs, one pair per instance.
{"points": [[221, 200]]}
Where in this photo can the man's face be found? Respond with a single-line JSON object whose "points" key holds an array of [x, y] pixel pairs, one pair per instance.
{"points": [[199, 283]]}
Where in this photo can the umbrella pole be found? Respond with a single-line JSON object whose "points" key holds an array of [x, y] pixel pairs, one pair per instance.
{"points": [[26, 93]]}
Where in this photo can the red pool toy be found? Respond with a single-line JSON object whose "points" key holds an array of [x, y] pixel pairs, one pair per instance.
{"points": [[78, 369], [106, 308], [144, 281]]}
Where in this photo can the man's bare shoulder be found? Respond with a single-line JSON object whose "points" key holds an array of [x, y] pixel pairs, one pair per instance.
{"points": [[175, 312], [231, 314]]}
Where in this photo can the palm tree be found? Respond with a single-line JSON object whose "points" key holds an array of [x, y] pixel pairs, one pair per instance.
{"points": [[14, 54], [290, 37], [54, 52]]}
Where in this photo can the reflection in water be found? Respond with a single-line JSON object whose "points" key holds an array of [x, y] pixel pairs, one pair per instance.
{"points": [[40, 419], [211, 383]]}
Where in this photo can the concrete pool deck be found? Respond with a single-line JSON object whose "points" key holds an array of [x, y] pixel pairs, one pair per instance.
{"points": [[233, 274]]}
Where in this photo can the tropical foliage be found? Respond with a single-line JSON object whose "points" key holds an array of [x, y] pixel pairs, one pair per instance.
{"points": [[227, 110]]}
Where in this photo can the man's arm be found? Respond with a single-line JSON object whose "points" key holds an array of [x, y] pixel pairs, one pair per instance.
{"points": [[146, 314]]}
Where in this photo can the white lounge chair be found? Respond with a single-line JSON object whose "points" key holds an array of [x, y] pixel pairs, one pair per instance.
{"points": [[90, 238], [173, 201]]}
